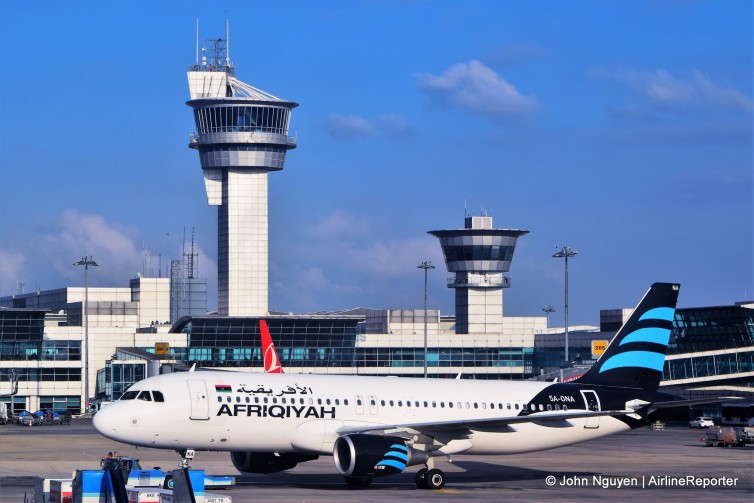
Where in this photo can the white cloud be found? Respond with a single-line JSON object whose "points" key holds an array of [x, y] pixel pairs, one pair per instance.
{"points": [[347, 127], [395, 125], [338, 224], [11, 267], [477, 88], [662, 88], [81, 234]]}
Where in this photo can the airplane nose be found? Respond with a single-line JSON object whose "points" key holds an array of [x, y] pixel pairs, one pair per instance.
{"points": [[104, 421]]}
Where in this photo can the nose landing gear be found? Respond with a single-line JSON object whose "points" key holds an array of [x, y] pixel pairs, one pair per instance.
{"points": [[186, 456]]}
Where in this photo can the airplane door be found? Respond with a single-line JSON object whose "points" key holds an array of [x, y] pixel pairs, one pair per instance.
{"points": [[592, 402], [199, 399], [359, 404], [372, 404]]}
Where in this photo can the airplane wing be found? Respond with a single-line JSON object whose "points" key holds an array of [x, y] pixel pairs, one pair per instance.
{"points": [[554, 419], [697, 401]]}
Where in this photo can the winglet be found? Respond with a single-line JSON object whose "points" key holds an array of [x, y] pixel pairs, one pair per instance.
{"points": [[270, 355]]}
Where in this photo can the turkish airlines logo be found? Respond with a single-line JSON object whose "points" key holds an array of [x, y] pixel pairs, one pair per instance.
{"points": [[271, 362]]}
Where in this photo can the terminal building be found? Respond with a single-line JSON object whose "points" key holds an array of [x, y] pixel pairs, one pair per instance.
{"points": [[162, 324]]}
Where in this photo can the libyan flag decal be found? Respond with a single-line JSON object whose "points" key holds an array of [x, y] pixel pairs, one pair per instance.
{"points": [[222, 388]]}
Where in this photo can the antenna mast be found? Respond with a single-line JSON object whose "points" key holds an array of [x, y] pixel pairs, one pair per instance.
{"points": [[197, 42]]}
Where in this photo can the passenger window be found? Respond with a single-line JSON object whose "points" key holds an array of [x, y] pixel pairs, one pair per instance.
{"points": [[337, 401], [158, 396], [274, 400], [442, 405], [144, 395], [408, 403], [345, 401], [492, 406], [265, 399], [416, 404], [434, 404], [557, 406], [382, 402], [391, 403], [484, 406], [282, 400], [319, 401], [358, 402], [426, 404], [458, 404], [311, 401], [327, 401], [565, 407], [220, 399], [541, 408], [248, 399], [400, 404], [301, 401], [256, 399], [227, 399], [450, 405], [516, 406], [549, 407], [238, 399]]}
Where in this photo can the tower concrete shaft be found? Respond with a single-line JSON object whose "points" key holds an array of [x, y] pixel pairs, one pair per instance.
{"points": [[241, 135], [478, 255]]}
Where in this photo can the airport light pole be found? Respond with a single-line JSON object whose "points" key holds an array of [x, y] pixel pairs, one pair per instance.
{"points": [[548, 309], [566, 252], [426, 265], [86, 262]]}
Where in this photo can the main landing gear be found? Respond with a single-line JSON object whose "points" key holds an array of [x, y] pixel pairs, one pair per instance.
{"points": [[430, 477]]}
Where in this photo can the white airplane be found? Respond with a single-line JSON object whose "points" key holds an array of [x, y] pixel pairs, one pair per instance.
{"points": [[378, 426]]}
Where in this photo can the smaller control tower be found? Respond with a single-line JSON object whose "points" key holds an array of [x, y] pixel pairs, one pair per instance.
{"points": [[478, 255], [241, 135]]}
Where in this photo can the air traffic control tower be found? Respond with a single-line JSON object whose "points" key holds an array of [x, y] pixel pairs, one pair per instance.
{"points": [[478, 255], [241, 135]]}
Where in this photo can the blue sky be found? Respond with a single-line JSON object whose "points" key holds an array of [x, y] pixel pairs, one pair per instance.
{"points": [[620, 128]]}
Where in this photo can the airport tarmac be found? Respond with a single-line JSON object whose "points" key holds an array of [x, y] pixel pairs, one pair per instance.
{"points": [[646, 464]]}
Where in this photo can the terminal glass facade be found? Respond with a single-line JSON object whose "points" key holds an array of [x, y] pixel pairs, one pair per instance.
{"points": [[712, 328], [300, 342]]}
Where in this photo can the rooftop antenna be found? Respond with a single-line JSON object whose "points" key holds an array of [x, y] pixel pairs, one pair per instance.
{"points": [[465, 210], [227, 43], [197, 42]]}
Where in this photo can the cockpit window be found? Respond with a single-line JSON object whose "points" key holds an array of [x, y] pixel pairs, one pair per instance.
{"points": [[129, 395], [146, 396], [158, 396]]}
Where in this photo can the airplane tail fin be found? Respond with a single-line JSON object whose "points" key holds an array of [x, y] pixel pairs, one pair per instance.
{"points": [[271, 360], [636, 355]]}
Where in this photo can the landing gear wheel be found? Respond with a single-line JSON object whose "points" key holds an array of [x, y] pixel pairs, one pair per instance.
{"points": [[360, 482], [434, 479], [421, 477]]}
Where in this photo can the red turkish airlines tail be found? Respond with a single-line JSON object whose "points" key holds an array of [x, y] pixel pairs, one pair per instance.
{"points": [[271, 360]]}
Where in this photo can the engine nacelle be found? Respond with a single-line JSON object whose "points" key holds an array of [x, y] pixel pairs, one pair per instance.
{"points": [[362, 455], [267, 462]]}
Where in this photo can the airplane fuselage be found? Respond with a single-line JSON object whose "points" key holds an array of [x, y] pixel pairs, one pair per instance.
{"points": [[228, 411]]}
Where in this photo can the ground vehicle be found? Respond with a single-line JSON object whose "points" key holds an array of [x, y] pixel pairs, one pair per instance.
{"points": [[26, 418], [701, 422], [136, 476], [724, 437]]}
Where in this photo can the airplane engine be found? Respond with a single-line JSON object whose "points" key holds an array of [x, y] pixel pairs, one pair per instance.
{"points": [[267, 462], [363, 455]]}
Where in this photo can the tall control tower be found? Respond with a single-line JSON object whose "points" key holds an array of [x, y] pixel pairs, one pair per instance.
{"points": [[241, 135], [478, 255]]}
